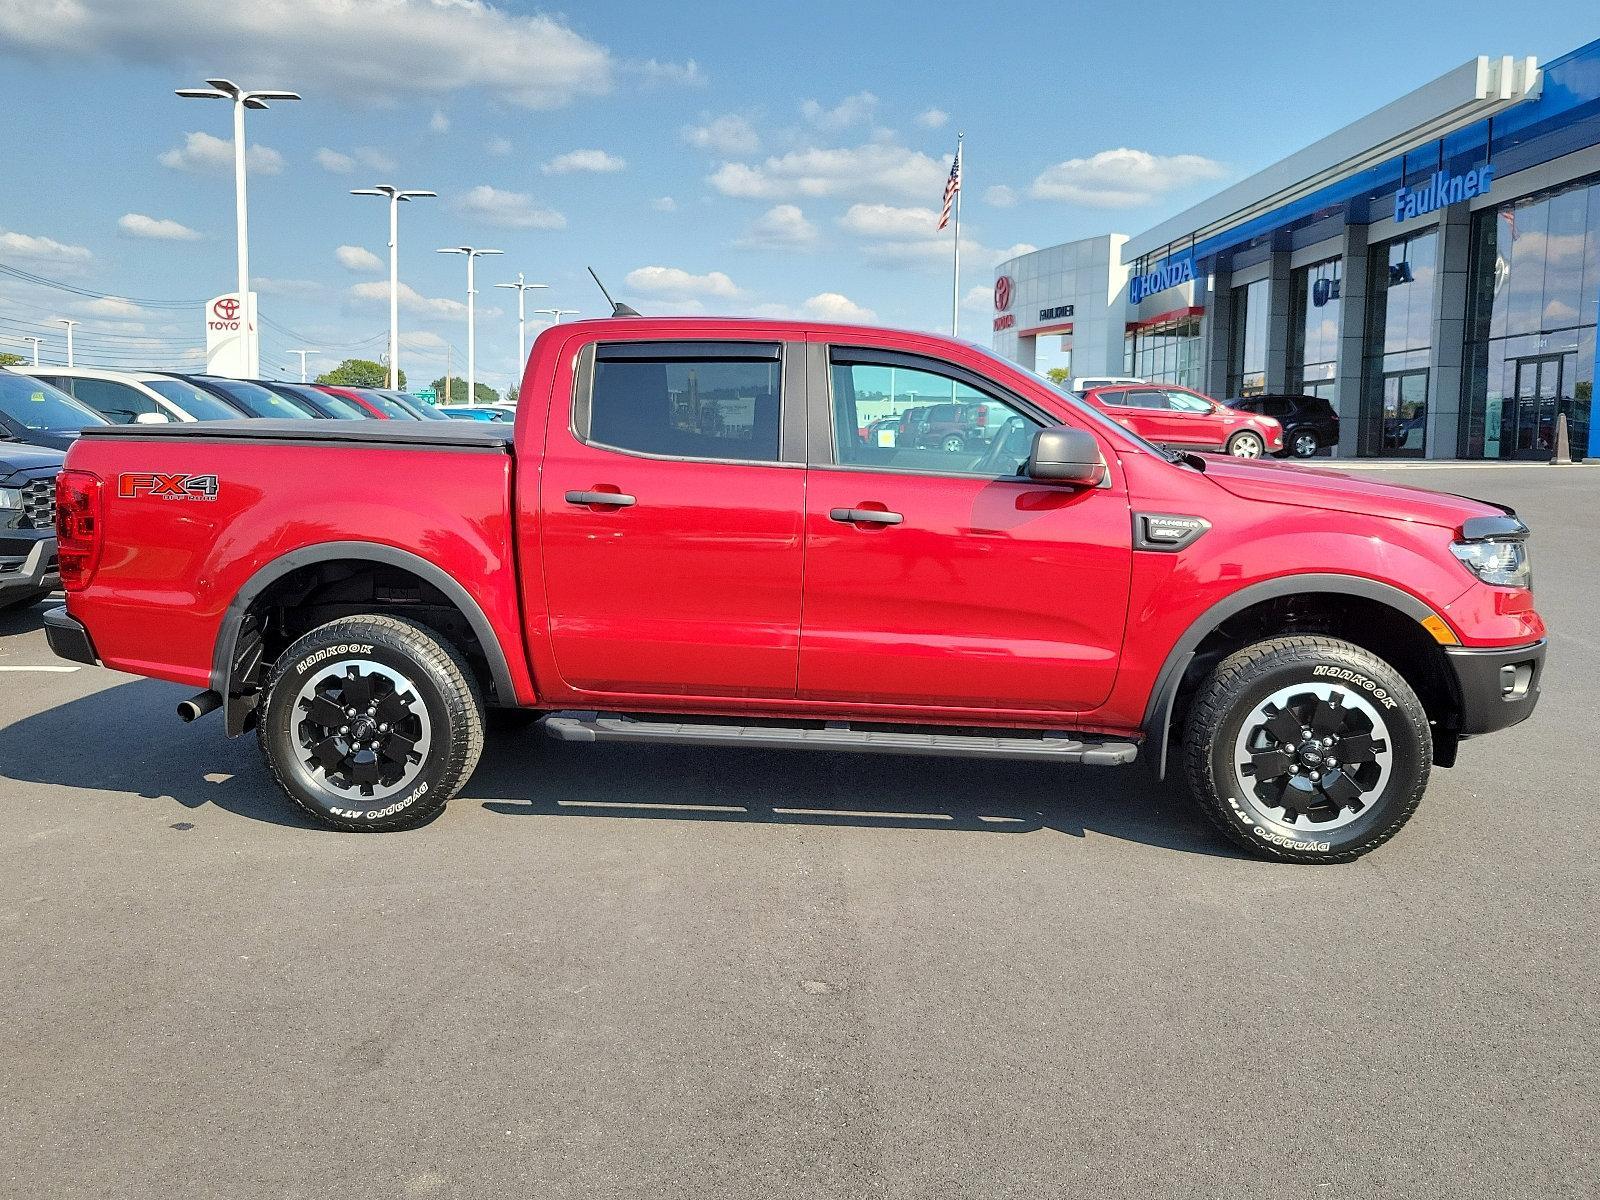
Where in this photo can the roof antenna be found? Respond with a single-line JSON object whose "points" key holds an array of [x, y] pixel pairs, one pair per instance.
{"points": [[617, 310]]}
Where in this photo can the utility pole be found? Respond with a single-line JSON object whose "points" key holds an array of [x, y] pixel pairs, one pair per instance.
{"points": [[224, 89], [395, 195], [522, 315], [471, 252], [69, 325], [302, 354]]}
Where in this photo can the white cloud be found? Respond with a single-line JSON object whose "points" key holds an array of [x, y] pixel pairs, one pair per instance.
{"points": [[512, 210], [1000, 196], [421, 339], [366, 51], [676, 282], [933, 118], [664, 204], [831, 306], [332, 160], [1122, 177], [498, 146], [869, 170], [162, 229], [887, 221], [27, 245], [656, 73], [114, 307], [378, 160], [852, 110], [269, 286], [978, 299], [203, 152], [728, 134], [358, 259], [377, 291], [782, 226], [439, 123], [597, 161]]}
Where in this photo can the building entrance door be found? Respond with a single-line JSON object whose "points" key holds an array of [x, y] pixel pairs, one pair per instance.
{"points": [[1528, 421], [1405, 413]]}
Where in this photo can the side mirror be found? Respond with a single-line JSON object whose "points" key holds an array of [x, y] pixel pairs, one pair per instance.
{"points": [[1069, 456], [151, 418]]}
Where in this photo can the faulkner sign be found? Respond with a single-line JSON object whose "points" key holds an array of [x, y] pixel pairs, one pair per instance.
{"points": [[1442, 189], [1168, 273]]}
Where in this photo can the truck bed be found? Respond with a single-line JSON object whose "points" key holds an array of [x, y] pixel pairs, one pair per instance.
{"points": [[446, 435]]}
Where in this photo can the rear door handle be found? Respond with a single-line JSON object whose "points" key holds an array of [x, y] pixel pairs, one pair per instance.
{"points": [[610, 499], [865, 516]]}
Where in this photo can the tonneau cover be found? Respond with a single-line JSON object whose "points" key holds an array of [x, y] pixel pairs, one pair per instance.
{"points": [[448, 435]]}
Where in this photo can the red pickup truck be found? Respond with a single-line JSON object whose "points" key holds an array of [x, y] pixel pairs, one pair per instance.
{"points": [[686, 538]]}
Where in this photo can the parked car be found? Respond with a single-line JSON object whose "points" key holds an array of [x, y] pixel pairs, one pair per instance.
{"points": [[953, 426], [251, 399], [373, 402], [138, 397], [28, 570], [323, 403], [33, 411], [1309, 422], [631, 560], [475, 412], [1175, 416]]}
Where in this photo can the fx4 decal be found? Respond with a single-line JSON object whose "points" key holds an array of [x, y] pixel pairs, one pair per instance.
{"points": [[166, 487]]}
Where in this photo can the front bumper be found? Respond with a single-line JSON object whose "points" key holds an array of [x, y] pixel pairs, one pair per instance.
{"points": [[28, 565], [1498, 687], [67, 637]]}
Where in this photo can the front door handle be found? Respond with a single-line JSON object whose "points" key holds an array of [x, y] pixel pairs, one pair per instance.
{"points": [[609, 499], [865, 516]]}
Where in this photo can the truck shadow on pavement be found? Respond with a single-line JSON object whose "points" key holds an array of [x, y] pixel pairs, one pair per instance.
{"points": [[125, 742]]}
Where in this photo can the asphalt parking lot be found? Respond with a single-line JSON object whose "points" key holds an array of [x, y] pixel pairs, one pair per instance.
{"points": [[618, 971]]}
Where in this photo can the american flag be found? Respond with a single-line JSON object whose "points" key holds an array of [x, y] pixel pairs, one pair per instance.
{"points": [[951, 187]]}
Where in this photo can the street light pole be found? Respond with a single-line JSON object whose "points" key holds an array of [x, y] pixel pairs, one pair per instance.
{"points": [[302, 354], [555, 314], [396, 195], [35, 340], [522, 315], [471, 252], [69, 325], [224, 89]]}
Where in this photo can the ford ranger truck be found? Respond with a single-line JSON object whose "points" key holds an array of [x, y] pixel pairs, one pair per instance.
{"points": [[687, 538]]}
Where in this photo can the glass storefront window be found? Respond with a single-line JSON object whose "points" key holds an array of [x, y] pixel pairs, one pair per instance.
{"points": [[1165, 353], [1531, 323], [1247, 362], [1315, 308], [1394, 411]]}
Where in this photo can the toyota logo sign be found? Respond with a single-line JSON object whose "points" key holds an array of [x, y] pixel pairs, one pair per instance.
{"points": [[226, 309], [1002, 293]]}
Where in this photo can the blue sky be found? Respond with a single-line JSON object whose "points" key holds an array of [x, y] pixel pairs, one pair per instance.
{"points": [[715, 157]]}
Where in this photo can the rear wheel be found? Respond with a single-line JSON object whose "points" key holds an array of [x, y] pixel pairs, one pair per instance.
{"points": [[371, 723], [1307, 749], [1305, 444], [1246, 444], [954, 444]]}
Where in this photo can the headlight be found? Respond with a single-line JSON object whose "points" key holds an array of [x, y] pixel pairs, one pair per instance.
{"points": [[1504, 564], [10, 498]]}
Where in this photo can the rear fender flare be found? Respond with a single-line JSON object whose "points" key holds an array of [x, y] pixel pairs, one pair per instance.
{"points": [[223, 654], [1158, 712]]}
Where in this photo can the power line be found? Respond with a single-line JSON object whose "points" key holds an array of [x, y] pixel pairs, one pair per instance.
{"points": [[74, 289]]}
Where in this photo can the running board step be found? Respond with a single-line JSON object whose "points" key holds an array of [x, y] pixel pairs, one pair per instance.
{"points": [[599, 727]]}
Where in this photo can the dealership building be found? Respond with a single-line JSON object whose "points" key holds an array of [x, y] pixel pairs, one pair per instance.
{"points": [[1432, 270]]}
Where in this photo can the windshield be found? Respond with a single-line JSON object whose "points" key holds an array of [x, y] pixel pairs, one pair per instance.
{"points": [[338, 406], [428, 412], [38, 407], [198, 403], [387, 405], [259, 401]]}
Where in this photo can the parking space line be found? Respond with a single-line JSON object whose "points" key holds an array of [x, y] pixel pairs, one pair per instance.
{"points": [[46, 670]]}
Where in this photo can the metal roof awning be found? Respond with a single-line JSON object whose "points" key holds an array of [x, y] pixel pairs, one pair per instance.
{"points": [[1477, 89]]}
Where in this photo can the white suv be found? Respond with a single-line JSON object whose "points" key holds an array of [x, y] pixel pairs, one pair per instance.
{"points": [[137, 397]]}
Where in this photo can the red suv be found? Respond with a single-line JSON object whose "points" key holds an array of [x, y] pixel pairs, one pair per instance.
{"points": [[1175, 416]]}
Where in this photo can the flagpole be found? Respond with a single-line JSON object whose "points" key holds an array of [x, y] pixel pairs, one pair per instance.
{"points": [[955, 256]]}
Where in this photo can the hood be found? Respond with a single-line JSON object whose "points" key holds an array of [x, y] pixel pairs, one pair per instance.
{"points": [[21, 456], [1274, 482]]}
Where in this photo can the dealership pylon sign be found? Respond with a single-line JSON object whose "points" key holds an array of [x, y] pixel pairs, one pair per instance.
{"points": [[233, 347]]}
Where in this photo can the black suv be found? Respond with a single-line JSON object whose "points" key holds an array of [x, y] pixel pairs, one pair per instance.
{"points": [[1309, 422]]}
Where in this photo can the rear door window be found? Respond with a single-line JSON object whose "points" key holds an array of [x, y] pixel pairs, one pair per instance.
{"points": [[686, 400]]}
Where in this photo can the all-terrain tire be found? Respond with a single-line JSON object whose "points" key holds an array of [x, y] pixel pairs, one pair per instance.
{"points": [[1349, 714], [324, 734]]}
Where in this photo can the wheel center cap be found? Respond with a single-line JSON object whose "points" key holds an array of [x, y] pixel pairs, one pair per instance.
{"points": [[1311, 753], [364, 729]]}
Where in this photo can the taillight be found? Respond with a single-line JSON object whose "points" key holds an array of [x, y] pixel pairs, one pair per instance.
{"points": [[78, 536]]}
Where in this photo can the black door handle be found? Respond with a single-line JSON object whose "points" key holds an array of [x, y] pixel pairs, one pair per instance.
{"points": [[610, 499], [865, 516]]}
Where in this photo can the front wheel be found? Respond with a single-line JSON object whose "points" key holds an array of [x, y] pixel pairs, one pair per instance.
{"points": [[371, 723], [1307, 749], [1246, 444], [1305, 444]]}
